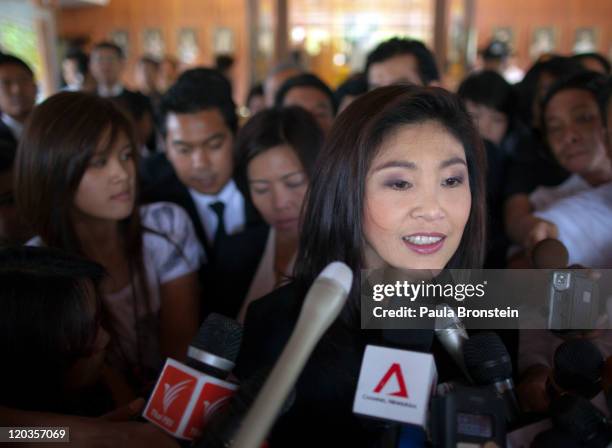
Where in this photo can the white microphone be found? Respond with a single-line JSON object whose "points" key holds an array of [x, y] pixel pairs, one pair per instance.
{"points": [[451, 333], [395, 385], [322, 305]]}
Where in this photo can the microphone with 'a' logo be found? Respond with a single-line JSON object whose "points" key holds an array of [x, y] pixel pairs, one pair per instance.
{"points": [[396, 385], [186, 396]]}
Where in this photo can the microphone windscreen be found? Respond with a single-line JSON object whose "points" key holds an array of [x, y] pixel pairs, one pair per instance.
{"points": [[487, 358], [578, 367], [220, 336], [550, 254]]}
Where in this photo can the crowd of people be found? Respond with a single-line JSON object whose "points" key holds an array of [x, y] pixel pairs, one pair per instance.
{"points": [[128, 217]]}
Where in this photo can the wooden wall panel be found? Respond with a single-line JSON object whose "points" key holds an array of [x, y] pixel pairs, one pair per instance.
{"points": [[169, 16], [524, 16]]}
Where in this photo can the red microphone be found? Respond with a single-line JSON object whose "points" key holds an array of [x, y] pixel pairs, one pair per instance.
{"points": [[186, 396]]}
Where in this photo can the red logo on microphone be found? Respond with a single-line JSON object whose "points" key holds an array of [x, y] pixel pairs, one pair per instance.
{"points": [[394, 370], [170, 398]]}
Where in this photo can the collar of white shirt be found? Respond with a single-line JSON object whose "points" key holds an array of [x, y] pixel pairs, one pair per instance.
{"points": [[15, 126], [234, 214], [105, 92], [225, 195]]}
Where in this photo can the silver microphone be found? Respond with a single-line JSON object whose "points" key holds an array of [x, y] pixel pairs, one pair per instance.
{"points": [[452, 334]]}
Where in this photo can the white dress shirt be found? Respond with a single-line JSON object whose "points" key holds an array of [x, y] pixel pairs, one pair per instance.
{"points": [[105, 92], [15, 126], [234, 216]]}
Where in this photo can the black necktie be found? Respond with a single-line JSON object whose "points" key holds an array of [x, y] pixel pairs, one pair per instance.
{"points": [[218, 208]]}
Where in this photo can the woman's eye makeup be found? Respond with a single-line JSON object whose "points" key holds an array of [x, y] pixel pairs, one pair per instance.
{"points": [[398, 184], [97, 162], [126, 155], [453, 181]]}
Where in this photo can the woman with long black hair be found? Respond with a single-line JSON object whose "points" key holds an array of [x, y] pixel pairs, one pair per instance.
{"points": [[400, 183], [76, 186]]}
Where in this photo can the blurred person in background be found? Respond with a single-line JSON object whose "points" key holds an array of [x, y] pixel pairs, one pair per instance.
{"points": [[575, 128], [13, 229], [107, 63], [401, 61], [147, 74], [347, 92], [496, 56], [256, 101], [309, 92], [225, 63], [276, 77], [595, 62], [75, 72], [17, 96], [197, 173], [168, 72], [531, 165], [492, 102], [276, 150]]}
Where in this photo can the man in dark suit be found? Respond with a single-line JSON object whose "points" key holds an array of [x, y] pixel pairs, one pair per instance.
{"points": [[17, 96], [106, 65], [196, 172]]}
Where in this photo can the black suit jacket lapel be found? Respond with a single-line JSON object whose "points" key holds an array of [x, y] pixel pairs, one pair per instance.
{"points": [[186, 201], [6, 133]]}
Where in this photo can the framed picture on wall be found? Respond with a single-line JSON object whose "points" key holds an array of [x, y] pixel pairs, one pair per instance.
{"points": [[187, 49], [505, 34], [223, 41], [543, 40], [586, 40], [153, 42], [121, 38]]}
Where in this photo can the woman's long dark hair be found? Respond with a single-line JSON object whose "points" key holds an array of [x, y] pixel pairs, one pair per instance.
{"points": [[291, 126], [50, 307], [58, 142], [333, 228]]}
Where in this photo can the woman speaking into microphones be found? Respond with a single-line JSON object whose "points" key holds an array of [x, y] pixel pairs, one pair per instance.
{"points": [[400, 183]]}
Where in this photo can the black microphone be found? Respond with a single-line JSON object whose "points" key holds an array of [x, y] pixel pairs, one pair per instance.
{"points": [[489, 364], [216, 346], [578, 367], [187, 395], [576, 416]]}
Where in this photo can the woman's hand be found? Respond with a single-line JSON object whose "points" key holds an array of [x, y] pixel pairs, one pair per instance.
{"points": [[540, 229], [179, 315]]}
